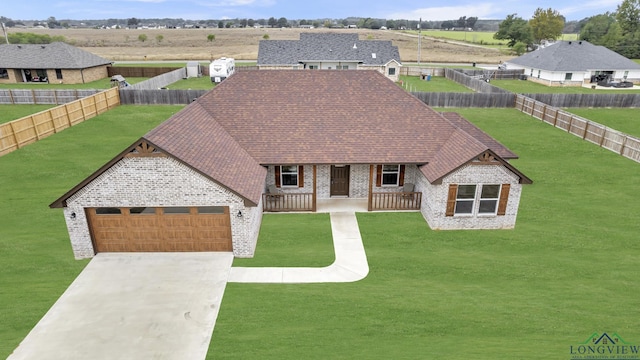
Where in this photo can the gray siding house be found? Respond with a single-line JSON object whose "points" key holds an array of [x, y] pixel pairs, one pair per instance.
{"points": [[575, 63], [202, 180], [331, 51]]}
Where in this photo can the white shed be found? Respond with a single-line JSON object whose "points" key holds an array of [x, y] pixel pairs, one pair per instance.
{"points": [[193, 69]]}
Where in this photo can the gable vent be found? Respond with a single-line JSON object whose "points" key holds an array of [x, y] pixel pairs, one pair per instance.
{"points": [[373, 55], [354, 46]]}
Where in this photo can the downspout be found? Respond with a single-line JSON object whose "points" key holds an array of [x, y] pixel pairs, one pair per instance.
{"points": [[82, 75]]}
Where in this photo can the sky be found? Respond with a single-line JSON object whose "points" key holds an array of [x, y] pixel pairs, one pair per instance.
{"points": [[296, 9]]}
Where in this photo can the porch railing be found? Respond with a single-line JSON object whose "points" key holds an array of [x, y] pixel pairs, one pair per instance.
{"points": [[287, 202], [395, 201]]}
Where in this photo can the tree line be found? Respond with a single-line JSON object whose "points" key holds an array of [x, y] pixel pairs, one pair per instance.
{"points": [[618, 31]]}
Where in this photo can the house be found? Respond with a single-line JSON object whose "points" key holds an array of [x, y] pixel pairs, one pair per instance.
{"points": [[334, 51], [56, 62], [282, 140], [575, 63]]}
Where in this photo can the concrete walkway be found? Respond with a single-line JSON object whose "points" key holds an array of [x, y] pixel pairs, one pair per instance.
{"points": [[350, 264], [134, 306]]}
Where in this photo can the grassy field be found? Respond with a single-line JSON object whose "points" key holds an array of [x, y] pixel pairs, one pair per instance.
{"points": [[98, 84], [14, 112], [436, 84], [528, 293], [625, 120], [484, 38], [530, 87], [36, 257]]}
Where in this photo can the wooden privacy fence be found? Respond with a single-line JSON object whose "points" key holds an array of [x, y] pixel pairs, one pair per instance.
{"points": [[588, 100], [43, 96], [480, 100], [473, 83], [610, 139], [138, 71], [155, 97], [418, 71], [160, 81], [18, 133]]}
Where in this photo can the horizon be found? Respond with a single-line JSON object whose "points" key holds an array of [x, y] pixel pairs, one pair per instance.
{"points": [[195, 10]]}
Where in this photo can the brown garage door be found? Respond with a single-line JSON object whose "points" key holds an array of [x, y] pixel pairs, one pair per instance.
{"points": [[160, 229]]}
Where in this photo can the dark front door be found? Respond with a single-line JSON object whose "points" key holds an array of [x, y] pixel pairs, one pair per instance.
{"points": [[339, 180]]}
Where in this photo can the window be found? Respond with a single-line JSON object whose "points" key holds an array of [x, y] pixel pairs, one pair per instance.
{"points": [[4, 74], [484, 199], [142, 211], [289, 175], [392, 71], [390, 175], [108, 211], [176, 210], [342, 67], [489, 196], [465, 198], [568, 76], [211, 210], [313, 67], [59, 74], [539, 73]]}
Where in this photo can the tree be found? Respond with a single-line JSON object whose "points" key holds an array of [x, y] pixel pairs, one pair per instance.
{"points": [[447, 24], [546, 24], [272, 22], [390, 24], [597, 27], [133, 22], [251, 23], [471, 22], [220, 24], [265, 36], [142, 37], [628, 15], [159, 38], [515, 29], [211, 37], [52, 22], [282, 22]]}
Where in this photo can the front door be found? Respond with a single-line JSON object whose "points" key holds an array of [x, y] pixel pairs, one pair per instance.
{"points": [[339, 180]]}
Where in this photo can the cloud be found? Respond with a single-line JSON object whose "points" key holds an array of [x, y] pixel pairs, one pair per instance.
{"points": [[594, 6], [480, 10]]}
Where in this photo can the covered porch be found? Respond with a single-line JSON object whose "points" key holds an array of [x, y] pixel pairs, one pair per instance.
{"points": [[360, 187]]}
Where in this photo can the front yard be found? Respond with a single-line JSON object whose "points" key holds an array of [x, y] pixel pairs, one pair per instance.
{"points": [[567, 270]]}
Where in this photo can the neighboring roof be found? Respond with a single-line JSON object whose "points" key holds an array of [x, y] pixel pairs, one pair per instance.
{"points": [[57, 55], [336, 47], [286, 117], [575, 56]]}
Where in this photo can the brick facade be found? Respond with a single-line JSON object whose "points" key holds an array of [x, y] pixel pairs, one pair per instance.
{"points": [[69, 76], [434, 200], [158, 182]]}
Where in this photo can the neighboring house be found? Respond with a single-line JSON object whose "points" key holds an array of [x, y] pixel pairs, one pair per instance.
{"points": [[575, 63], [335, 51], [56, 63], [280, 140]]}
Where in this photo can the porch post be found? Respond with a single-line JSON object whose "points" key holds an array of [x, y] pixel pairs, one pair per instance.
{"points": [[369, 207], [313, 197]]}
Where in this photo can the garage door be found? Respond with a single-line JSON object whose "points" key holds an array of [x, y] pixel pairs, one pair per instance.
{"points": [[160, 229]]}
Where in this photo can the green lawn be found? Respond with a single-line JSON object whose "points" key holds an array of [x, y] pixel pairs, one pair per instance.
{"points": [[625, 120], [194, 83], [527, 293], [530, 87], [98, 84], [37, 262], [436, 84], [14, 112], [567, 270]]}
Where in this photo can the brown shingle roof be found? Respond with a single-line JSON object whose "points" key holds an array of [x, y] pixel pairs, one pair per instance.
{"points": [[324, 117], [480, 135], [194, 138]]}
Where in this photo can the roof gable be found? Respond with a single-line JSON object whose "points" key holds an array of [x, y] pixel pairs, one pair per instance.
{"points": [[574, 56], [336, 47], [57, 55]]}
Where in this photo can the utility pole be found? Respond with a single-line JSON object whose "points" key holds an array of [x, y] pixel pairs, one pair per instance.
{"points": [[6, 38], [419, 39]]}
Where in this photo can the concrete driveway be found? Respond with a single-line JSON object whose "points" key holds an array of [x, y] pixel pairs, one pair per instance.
{"points": [[134, 306]]}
